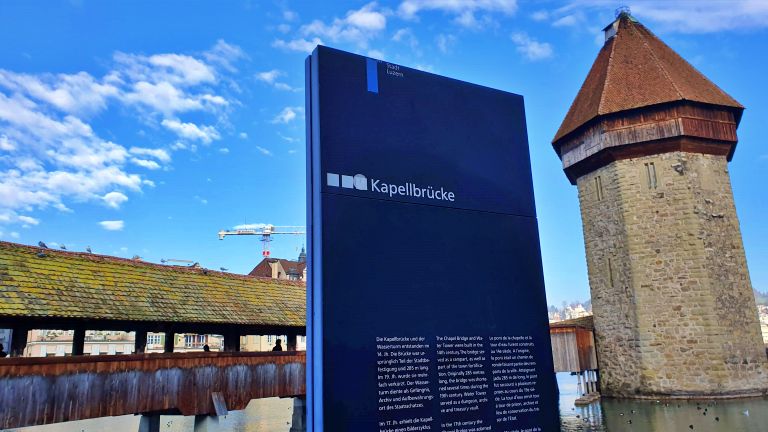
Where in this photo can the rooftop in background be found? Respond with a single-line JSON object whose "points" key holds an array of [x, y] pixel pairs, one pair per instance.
{"points": [[44, 283], [585, 322], [636, 69], [283, 269]]}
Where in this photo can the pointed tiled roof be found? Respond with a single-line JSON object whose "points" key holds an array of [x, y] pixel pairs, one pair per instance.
{"points": [[636, 69]]}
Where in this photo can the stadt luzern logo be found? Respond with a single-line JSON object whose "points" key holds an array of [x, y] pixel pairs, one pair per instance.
{"points": [[407, 189]]}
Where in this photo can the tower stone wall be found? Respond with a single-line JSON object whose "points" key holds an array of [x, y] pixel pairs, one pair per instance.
{"points": [[674, 310]]}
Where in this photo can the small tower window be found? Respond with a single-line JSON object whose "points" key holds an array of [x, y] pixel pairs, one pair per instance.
{"points": [[610, 273], [650, 173], [599, 188]]}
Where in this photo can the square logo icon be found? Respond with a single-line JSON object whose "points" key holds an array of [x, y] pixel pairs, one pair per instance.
{"points": [[333, 179]]}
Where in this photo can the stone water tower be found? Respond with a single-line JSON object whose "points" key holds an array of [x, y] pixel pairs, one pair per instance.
{"points": [[647, 142]]}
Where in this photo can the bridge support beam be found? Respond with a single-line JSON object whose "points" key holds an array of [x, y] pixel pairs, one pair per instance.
{"points": [[299, 419], [78, 342], [206, 423], [170, 340], [149, 423], [18, 341], [232, 342], [140, 342]]}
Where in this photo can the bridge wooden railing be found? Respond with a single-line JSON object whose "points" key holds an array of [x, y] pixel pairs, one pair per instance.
{"points": [[36, 391]]}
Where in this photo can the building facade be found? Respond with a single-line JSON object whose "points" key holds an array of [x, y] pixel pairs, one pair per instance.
{"points": [[278, 268], [647, 143]]}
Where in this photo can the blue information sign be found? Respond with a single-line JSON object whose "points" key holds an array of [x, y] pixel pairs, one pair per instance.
{"points": [[426, 305]]}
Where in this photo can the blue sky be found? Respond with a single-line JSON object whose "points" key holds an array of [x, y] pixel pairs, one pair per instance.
{"points": [[142, 128]]}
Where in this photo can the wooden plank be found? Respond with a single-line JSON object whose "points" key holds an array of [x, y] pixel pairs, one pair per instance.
{"points": [[73, 388]]}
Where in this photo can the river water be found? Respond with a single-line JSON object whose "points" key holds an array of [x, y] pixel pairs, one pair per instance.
{"points": [[274, 415]]}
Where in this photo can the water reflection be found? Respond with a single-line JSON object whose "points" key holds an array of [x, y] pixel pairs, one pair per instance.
{"points": [[274, 415], [611, 415], [261, 415]]}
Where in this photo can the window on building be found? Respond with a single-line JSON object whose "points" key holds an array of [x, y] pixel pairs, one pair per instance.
{"points": [[154, 339], [270, 338], [610, 272], [650, 173], [599, 188]]}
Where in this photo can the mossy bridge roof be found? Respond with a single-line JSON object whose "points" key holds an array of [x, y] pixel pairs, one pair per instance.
{"points": [[44, 283]]}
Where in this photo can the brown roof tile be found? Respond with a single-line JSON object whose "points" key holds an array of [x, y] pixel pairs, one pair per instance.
{"points": [[636, 69], [87, 286], [263, 269]]}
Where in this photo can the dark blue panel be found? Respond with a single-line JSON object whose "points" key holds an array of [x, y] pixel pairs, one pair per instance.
{"points": [[388, 261], [426, 130]]}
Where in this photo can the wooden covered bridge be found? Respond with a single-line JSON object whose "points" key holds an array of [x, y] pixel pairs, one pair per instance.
{"points": [[45, 289]]}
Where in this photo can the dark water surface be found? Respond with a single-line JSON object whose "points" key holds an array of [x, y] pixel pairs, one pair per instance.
{"points": [[274, 415], [610, 415]]}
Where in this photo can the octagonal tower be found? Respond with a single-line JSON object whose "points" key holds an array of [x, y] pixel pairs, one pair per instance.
{"points": [[647, 142]]}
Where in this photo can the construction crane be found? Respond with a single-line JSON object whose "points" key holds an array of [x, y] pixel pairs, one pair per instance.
{"points": [[266, 232]]}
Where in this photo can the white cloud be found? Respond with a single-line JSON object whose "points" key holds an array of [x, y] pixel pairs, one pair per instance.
{"points": [[262, 150], [269, 77], [144, 163], [566, 21], [28, 220], [112, 225], [14, 235], [287, 138], [287, 115], [6, 144], [225, 55], [242, 135], [531, 48], [406, 36], [54, 155], [290, 15], [463, 10], [367, 18], [168, 99], [688, 16], [445, 42], [78, 93], [159, 154], [114, 199], [300, 45], [540, 15], [224, 150], [376, 54], [358, 26], [191, 131], [201, 200], [178, 69]]}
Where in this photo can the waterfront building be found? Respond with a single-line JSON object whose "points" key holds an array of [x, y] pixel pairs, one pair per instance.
{"points": [[647, 143]]}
